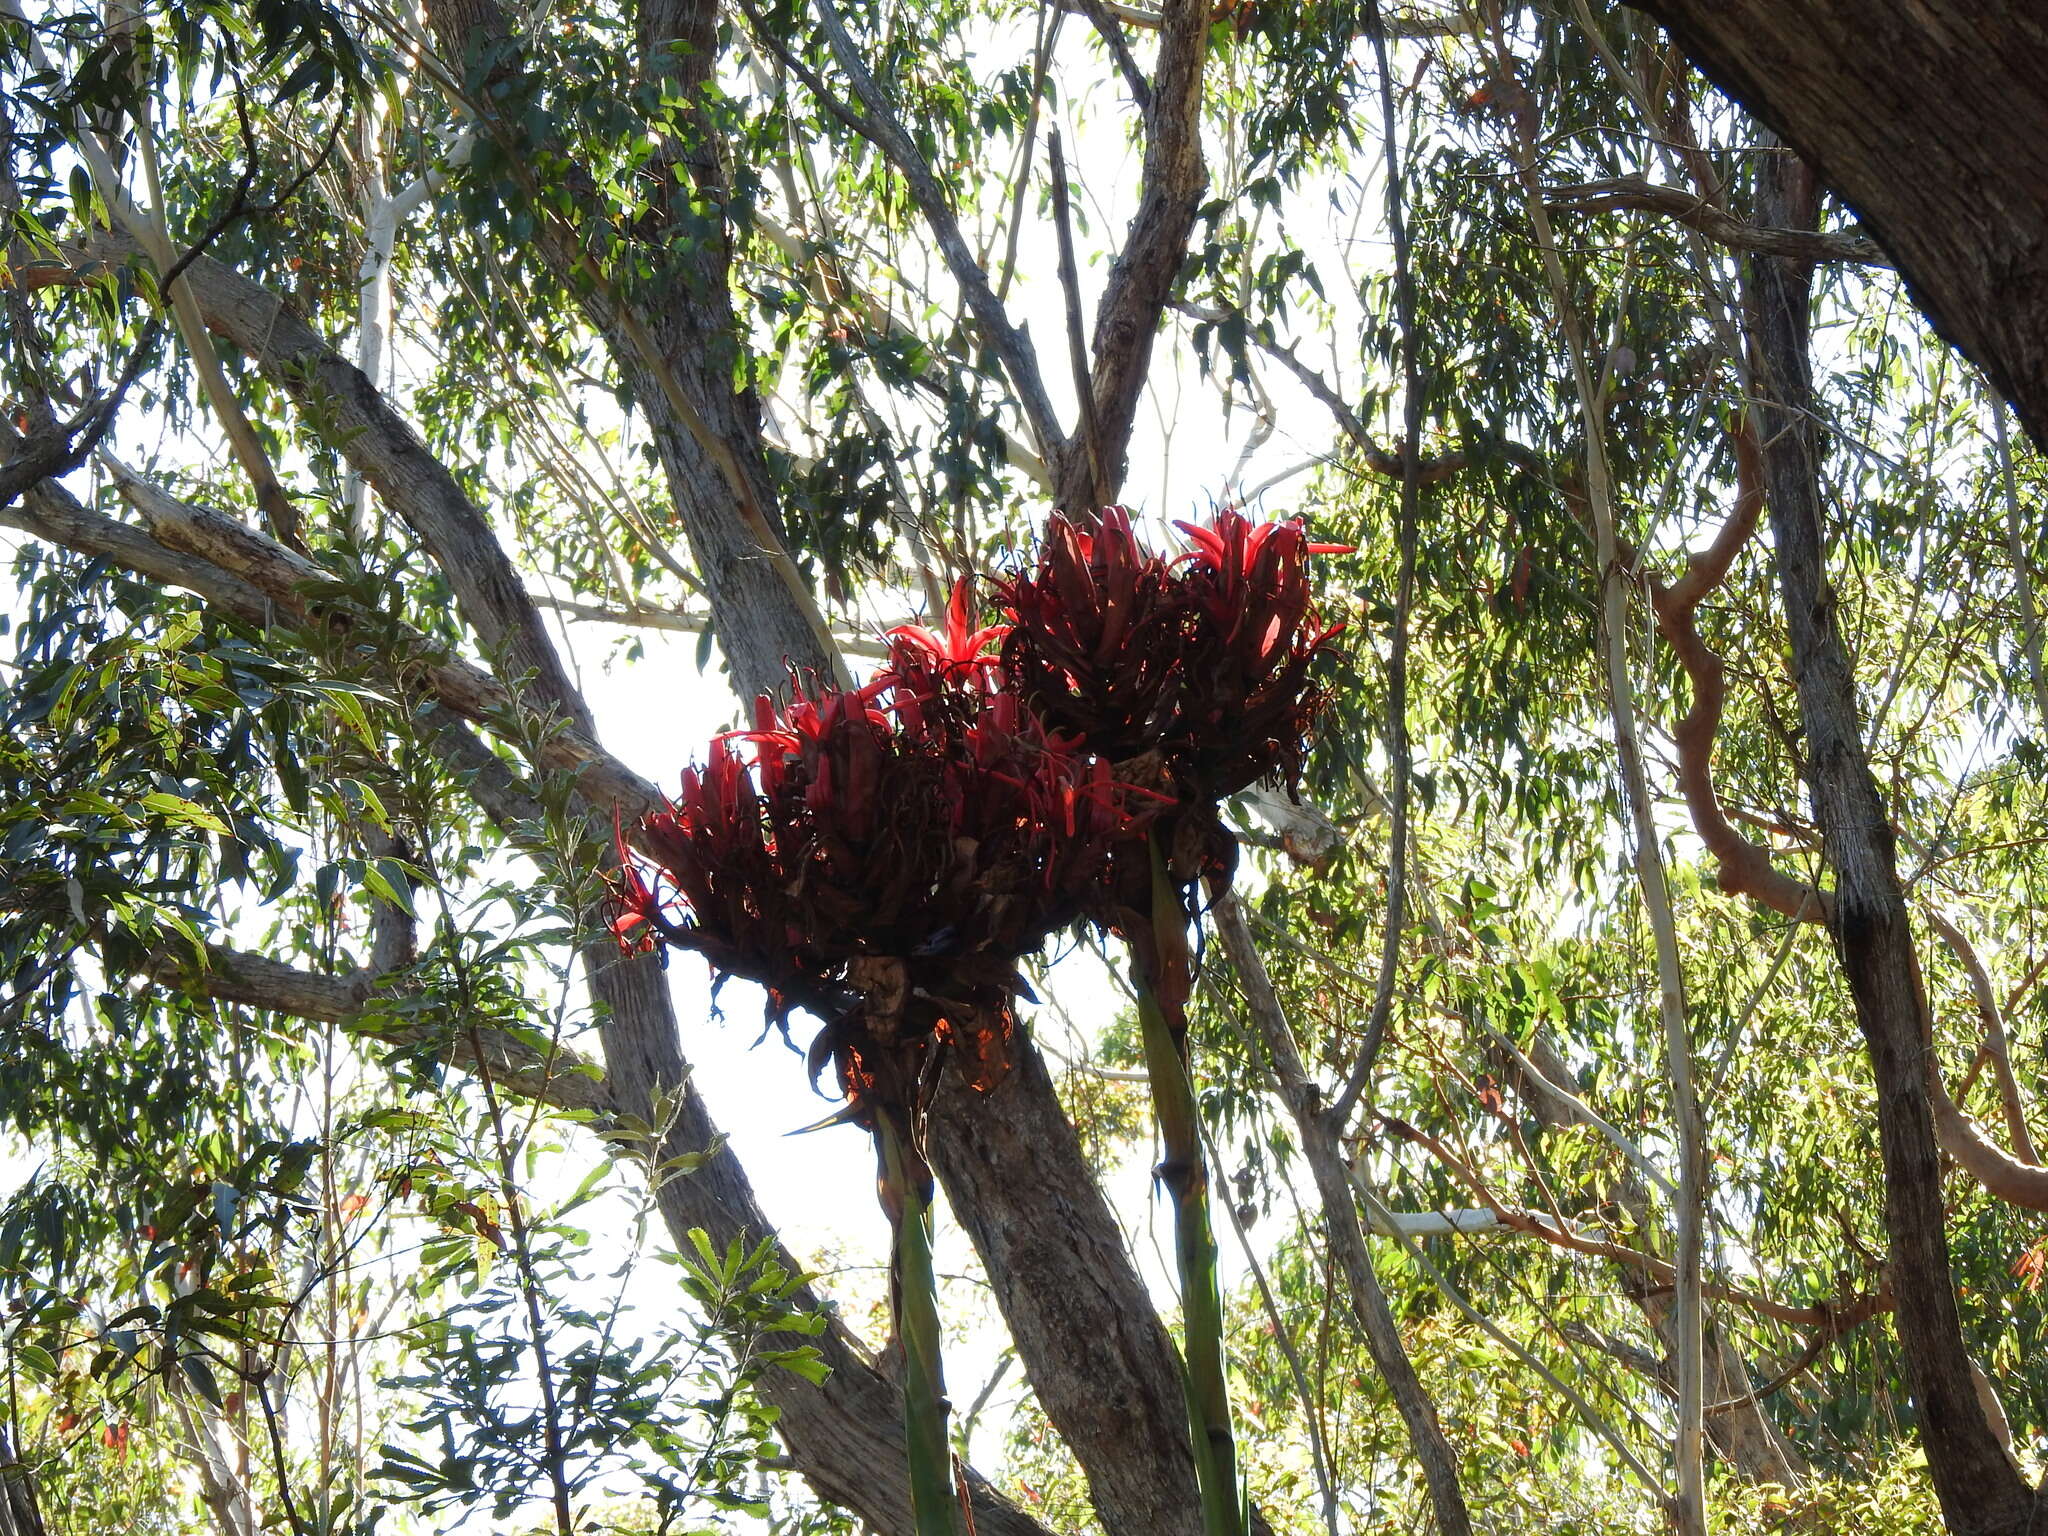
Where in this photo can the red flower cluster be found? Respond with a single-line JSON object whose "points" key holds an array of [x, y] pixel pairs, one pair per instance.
{"points": [[883, 858], [1201, 661]]}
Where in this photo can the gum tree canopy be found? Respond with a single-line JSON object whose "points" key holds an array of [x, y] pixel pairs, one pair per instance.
{"points": [[1610, 1096]]}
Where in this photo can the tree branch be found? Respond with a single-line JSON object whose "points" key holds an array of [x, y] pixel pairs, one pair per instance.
{"points": [[55, 449], [1974, 1476], [283, 577], [675, 621], [879, 125], [830, 284], [1745, 867], [1386, 463], [1995, 1042], [1723, 228], [1142, 278], [1318, 1133], [1108, 19], [1404, 24], [561, 1077], [1742, 867], [1661, 1272]]}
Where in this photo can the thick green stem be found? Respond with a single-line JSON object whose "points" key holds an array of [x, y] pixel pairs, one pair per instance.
{"points": [[914, 1294], [1184, 1172]]}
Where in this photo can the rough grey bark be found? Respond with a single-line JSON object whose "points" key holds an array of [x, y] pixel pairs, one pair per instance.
{"points": [[559, 1077], [680, 335], [1980, 1489], [1931, 121], [1062, 1262], [1147, 269]]}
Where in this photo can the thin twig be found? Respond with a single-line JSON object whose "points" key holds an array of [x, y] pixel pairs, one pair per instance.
{"points": [[1407, 535]]}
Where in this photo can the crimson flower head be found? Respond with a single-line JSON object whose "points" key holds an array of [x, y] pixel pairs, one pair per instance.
{"points": [[1202, 661], [883, 858]]}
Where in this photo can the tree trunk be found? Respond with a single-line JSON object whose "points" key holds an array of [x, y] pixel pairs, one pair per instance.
{"points": [[19, 1515], [1931, 121], [1016, 1179], [1981, 1491], [847, 1435]]}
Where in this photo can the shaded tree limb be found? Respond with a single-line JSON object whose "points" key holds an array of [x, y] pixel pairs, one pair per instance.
{"points": [[1979, 1488], [1995, 1041], [1932, 125], [679, 621], [1077, 348], [53, 449], [1107, 20], [284, 578], [561, 1077], [1639, 194], [1742, 867], [1405, 24], [674, 344]]}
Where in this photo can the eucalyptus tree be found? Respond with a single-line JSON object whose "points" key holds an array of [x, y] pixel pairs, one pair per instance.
{"points": [[352, 350]]}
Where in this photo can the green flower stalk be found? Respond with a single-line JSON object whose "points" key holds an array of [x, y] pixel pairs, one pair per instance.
{"points": [[1184, 1173], [906, 1190]]}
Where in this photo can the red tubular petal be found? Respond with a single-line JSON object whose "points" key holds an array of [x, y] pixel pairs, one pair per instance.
{"points": [[958, 646], [1212, 547], [918, 636]]}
